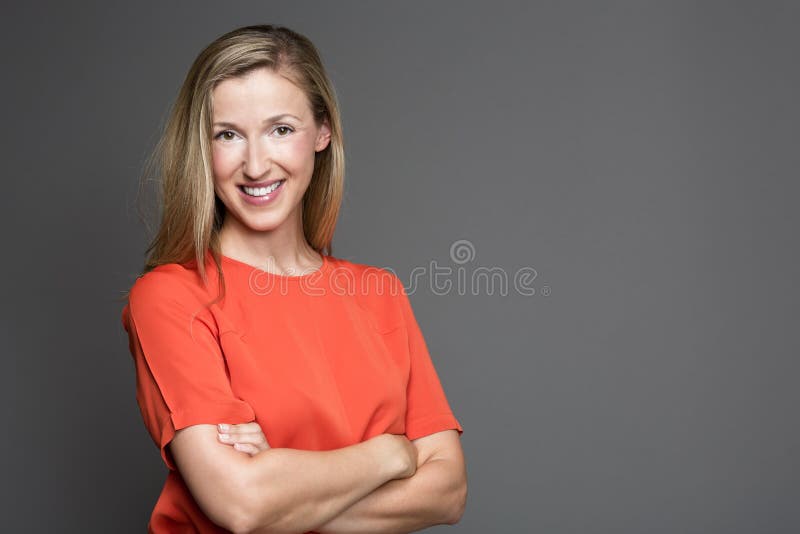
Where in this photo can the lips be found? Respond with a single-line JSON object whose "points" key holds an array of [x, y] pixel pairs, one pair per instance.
{"points": [[260, 196], [262, 191], [260, 184]]}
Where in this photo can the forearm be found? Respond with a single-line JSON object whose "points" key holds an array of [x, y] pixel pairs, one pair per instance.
{"points": [[292, 490], [434, 495]]}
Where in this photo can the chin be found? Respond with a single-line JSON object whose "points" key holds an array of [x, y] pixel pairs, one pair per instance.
{"points": [[261, 226]]}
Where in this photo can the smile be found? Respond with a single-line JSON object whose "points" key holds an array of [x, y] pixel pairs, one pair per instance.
{"points": [[261, 191]]}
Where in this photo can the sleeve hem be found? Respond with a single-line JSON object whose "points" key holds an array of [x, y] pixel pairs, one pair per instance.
{"points": [[431, 424], [233, 412]]}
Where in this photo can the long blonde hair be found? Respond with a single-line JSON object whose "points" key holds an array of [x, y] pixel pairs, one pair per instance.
{"points": [[191, 213]]}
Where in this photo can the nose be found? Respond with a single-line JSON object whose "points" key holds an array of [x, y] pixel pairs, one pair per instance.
{"points": [[256, 161]]}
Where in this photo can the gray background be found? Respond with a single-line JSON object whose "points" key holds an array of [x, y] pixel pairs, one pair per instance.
{"points": [[640, 156]]}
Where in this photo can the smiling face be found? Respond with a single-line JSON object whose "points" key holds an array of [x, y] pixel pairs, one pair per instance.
{"points": [[263, 136]]}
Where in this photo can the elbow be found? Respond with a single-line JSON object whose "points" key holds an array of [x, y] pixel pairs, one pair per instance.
{"points": [[231, 516], [236, 514], [250, 524], [458, 503], [252, 510], [244, 520], [265, 510], [238, 524], [235, 508]]}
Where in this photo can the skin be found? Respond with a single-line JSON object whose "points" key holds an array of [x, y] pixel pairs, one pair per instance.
{"points": [[249, 146], [385, 484], [439, 458]]}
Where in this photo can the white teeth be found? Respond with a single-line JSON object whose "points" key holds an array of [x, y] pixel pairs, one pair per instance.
{"points": [[261, 191]]}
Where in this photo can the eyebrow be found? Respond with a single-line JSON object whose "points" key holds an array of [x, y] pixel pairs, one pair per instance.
{"points": [[271, 119]]}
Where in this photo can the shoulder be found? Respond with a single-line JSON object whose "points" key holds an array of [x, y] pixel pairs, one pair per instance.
{"points": [[365, 278], [170, 283], [169, 294], [378, 290]]}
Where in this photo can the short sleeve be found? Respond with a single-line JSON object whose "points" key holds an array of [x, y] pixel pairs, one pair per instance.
{"points": [[181, 374], [428, 410]]}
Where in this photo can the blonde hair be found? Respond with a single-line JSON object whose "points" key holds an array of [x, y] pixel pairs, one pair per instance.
{"points": [[191, 213]]}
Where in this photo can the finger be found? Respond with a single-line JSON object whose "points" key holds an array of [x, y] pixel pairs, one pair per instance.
{"points": [[242, 428], [258, 440], [242, 438], [245, 447]]}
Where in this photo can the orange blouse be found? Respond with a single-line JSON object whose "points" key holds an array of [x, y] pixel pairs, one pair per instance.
{"points": [[321, 361]]}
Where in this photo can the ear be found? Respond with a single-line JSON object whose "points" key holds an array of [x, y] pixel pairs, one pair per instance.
{"points": [[323, 136]]}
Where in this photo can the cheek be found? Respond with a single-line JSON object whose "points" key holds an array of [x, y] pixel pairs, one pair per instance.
{"points": [[223, 161], [300, 153]]}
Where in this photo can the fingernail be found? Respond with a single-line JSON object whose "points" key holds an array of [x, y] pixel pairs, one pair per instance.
{"points": [[223, 428], [224, 436]]}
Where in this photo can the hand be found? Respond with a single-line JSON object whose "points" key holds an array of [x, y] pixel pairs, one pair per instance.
{"points": [[245, 437], [405, 453]]}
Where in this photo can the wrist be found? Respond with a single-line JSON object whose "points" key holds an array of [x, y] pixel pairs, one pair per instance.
{"points": [[393, 463]]}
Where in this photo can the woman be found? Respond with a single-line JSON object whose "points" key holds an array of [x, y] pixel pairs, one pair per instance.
{"points": [[281, 402]]}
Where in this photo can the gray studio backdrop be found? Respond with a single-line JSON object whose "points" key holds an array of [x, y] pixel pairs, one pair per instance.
{"points": [[638, 160]]}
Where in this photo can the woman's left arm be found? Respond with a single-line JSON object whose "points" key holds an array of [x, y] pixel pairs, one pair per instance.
{"points": [[436, 494]]}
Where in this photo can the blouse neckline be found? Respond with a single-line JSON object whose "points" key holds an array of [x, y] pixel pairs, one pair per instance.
{"points": [[292, 278]]}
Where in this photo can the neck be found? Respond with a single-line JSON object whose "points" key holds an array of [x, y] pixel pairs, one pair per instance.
{"points": [[282, 249]]}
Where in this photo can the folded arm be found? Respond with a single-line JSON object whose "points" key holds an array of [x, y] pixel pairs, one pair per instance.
{"points": [[282, 489], [436, 494]]}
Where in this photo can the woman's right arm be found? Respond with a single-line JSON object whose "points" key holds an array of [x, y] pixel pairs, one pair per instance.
{"points": [[183, 391], [282, 489]]}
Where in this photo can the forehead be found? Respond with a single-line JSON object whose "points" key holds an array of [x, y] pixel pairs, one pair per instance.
{"points": [[257, 94]]}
